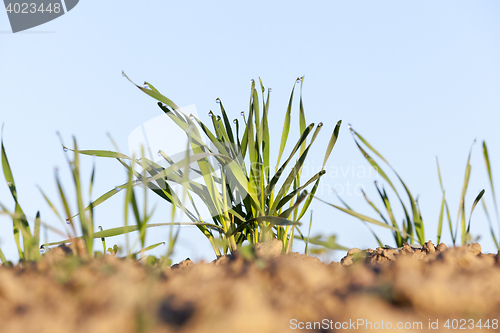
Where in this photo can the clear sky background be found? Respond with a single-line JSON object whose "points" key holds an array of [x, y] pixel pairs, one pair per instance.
{"points": [[417, 79]]}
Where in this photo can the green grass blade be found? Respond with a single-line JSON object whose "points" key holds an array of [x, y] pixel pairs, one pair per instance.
{"points": [[375, 165], [332, 142], [306, 251], [92, 178], [128, 202], [490, 225], [99, 153], [441, 213], [65, 204], [154, 93], [254, 154], [244, 139], [256, 112], [151, 247], [7, 172], [20, 224], [302, 116], [368, 145], [440, 220], [479, 196], [103, 240], [450, 223], [366, 218], [461, 206], [50, 204], [417, 219], [227, 124], [439, 175], [147, 84], [286, 127], [85, 224], [131, 228], [490, 177], [371, 205], [444, 205], [105, 197], [265, 138], [387, 204], [36, 237], [3, 259]]}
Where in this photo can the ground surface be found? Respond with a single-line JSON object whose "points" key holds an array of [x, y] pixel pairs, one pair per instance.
{"points": [[384, 288]]}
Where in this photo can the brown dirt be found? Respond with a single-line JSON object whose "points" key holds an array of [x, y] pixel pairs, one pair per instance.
{"points": [[270, 294]]}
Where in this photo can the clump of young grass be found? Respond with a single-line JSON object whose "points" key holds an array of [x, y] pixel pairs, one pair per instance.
{"points": [[243, 197], [85, 215], [85, 218], [412, 222], [27, 242], [461, 215]]}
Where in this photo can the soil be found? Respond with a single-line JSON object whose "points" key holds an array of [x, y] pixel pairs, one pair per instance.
{"points": [[269, 293]]}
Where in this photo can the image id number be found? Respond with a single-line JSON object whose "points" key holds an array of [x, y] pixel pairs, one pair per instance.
{"points": [[32, 8], [462, 324]]}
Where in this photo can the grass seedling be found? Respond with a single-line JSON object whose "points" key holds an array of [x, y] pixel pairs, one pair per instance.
{"points": [[242, 195], [85, 214], [26, 241], [412, 223]]}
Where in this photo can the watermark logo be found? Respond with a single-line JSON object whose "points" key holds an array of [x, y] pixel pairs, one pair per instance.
{"points": [[25, 15]]}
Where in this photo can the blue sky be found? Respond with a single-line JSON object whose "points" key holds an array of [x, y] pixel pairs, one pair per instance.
{"points": [[416, 79]]}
